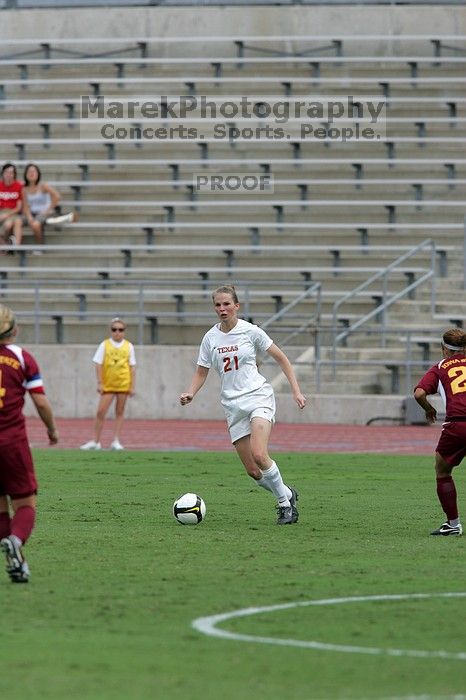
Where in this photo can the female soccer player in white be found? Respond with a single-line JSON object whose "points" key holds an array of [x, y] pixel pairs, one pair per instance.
{"points": [[232, 347]]}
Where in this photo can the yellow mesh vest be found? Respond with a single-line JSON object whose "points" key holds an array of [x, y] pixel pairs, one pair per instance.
{"points": [[116, 376]]}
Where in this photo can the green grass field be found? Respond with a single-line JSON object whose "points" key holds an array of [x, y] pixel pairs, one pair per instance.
{"points": [[116, 582]]}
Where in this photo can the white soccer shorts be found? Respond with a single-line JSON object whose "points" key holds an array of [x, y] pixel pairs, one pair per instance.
{"points": [[239, 412]]}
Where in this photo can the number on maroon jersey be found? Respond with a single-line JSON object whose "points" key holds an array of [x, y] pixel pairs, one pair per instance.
{"points": [[458, 377], [2, 390]]}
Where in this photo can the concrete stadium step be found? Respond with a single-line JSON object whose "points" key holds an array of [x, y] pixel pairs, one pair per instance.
{"points": [[146, 167], [58, 149], [296, 190], [63, 106], [63, 128], [348, 381]]}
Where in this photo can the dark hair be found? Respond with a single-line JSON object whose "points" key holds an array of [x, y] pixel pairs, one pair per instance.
{"points": [[226, 289], [9, 165], [454, 337], [31, 165]]}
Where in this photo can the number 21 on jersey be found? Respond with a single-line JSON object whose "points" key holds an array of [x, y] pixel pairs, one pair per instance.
{"points": [[230, 363]]}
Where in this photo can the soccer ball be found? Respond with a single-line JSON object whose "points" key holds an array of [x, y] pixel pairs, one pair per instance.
{"points": [[189, 509]]}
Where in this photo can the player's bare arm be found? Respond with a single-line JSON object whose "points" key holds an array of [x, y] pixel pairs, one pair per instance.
{"points": [[200, 375], [55, 197], [44, 410], [99, 377], [285, 365], [132, 389], [421, 397]]}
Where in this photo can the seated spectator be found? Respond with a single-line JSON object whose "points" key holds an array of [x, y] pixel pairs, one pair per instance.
{"points": [[40, 200], [11, 201]]}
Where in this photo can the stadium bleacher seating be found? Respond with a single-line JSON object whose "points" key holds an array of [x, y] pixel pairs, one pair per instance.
{"points": [[338, 211]]}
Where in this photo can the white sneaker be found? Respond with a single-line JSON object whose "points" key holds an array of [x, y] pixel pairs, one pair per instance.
{"points": [[62, 218], [116, 445], [91, 445]]}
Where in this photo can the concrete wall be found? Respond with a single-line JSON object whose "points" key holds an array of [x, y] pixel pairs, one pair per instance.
{"points": [[221, 21], [164, 372]]}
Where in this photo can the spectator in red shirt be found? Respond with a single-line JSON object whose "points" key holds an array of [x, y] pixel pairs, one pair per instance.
{"points": [[448, 378], [19, 373], [11, 202]]}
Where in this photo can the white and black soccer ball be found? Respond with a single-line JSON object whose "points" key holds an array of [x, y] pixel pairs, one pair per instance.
{"points": [[189, 509]]}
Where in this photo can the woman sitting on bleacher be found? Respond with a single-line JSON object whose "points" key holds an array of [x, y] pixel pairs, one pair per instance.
{"points": [[39, 201]]}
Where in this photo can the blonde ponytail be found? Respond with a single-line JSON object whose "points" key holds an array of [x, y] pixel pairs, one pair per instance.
{"points": [[7, 322]]}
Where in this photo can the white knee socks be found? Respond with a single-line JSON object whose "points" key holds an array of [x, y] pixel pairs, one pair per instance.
{"points": [[272, 481]]}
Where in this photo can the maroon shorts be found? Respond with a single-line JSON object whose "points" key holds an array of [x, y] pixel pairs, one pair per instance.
{"points": [[17, 477], [452, 443]]}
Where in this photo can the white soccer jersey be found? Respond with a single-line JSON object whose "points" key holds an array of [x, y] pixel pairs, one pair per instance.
{"points": [[233, 355]]}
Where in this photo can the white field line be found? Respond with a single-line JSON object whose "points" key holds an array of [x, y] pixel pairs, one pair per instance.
{"points": [[208, 626], [427, 697], [416, 697]]}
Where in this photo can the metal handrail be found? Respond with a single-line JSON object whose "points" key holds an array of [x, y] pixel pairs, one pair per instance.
{"points": [[407, 335], [212, 60], [209, 39], [386, 302], [314, 289]]}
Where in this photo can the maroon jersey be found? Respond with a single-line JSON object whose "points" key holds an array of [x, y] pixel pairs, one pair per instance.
{"points": [[448, 378], [19, 372], [10, 194]]}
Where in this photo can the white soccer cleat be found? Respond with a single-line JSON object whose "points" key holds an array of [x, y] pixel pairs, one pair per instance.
{"points": [[91, 445], [16, 566], [116, 445]]}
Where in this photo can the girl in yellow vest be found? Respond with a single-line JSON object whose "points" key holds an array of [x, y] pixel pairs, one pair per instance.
{"points": [[115, 365]]}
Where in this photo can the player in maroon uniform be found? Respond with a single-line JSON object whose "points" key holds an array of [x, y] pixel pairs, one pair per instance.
{"points": [[19, 373], [448, 378]]}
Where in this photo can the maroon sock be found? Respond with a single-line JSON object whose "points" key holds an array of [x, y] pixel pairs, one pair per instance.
{"points": [[4, 525], [22, 523], [446, 492]]}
